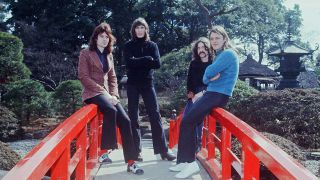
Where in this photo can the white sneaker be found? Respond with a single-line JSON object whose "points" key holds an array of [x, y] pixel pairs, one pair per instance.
{"points": [[178, 167], [190, 169], [135, 169], [104, 158]]}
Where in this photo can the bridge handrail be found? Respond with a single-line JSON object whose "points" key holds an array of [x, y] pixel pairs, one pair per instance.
{"points": [[53, 154], [255, 149]]}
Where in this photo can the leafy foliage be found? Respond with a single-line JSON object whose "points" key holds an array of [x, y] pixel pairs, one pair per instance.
{"points": [[290, 113], [2, 16], [68, 97], [256, 23], [173, 71], [59, 29], [9, 125], [27, 99], [12, 67], [53, 33], [241, 92]]}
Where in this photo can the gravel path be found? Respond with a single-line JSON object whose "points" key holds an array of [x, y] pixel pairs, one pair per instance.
{"points": [[22, 147], [2, 173], [313, 166]]}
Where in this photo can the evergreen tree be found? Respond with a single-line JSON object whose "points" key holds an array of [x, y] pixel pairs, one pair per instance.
{"points": [[68, 97], [11, 59], [27, 99]]}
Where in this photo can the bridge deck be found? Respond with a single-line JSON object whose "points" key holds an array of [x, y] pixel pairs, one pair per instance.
{"points": [[154, 167]]}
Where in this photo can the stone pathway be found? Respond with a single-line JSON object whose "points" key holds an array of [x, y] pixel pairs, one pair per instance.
{"points": [[154, 167]]}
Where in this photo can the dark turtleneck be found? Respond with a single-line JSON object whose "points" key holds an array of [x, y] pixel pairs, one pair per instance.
{"points": [[141, 58]]}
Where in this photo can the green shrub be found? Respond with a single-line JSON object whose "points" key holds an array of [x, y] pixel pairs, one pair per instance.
{"points": [[171, 78], [291, 113], [12, 67], [27, 99], [174, 68], [67, 97], [241, 92]]}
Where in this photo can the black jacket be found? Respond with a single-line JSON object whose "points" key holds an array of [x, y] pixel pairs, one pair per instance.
{"points": [[195, 75], [141, 58]]}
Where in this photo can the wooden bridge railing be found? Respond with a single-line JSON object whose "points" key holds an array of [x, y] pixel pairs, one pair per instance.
{"points": [[52, 156], [219, 134]]}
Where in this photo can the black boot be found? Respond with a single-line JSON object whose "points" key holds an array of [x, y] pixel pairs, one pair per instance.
{"points": [[167, 156]]}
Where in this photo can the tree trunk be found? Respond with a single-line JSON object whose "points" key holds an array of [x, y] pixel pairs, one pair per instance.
{"points": [[206, 12], [260, 47]]}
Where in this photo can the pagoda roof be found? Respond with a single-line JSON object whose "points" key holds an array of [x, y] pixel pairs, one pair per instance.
{"points": [[290, 48], [253, 68]]}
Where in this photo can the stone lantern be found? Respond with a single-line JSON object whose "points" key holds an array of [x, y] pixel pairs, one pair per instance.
{"points": [[290, 63]]}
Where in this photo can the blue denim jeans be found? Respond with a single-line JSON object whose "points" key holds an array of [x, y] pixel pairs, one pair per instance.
{"points": [[148, 94], [198, 129], [196, 114]]}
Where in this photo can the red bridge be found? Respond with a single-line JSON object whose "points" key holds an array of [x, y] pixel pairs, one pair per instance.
{"points": [[71, 150]]}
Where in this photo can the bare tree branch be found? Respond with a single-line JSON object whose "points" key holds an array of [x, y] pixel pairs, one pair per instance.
{"points": [[210, 15], [223, 11]]}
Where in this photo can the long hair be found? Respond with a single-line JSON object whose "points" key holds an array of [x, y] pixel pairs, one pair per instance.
{"points": [[194, 47], [220, 30], [138, 22], [103, 27]]}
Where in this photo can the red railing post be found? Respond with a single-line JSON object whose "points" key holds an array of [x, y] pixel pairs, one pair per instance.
{"points": [[211, 132], [256, 149], [82, 146], [204, 133], [172, 131], [94, 130], [59, 170], [225, 157], [251, 164], [100, 152], [119, 140]]}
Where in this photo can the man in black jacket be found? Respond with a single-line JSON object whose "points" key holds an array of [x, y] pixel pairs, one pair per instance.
{"points": [[142, 57]]}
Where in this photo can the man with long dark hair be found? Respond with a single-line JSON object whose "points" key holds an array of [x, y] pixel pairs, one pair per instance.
{"points": [[99, 81], [201, 59]]}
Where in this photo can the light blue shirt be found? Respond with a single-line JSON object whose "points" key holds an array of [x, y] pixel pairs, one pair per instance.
{"points": [[227, 64]]}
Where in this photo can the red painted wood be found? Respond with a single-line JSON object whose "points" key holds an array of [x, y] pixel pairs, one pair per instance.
{"points": [[53, 152], [93, 143], [82, 144], [172, 132], [204, 132], [59, 170], [211, 142], [225, 157], [251, 165], [256, 149]]}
